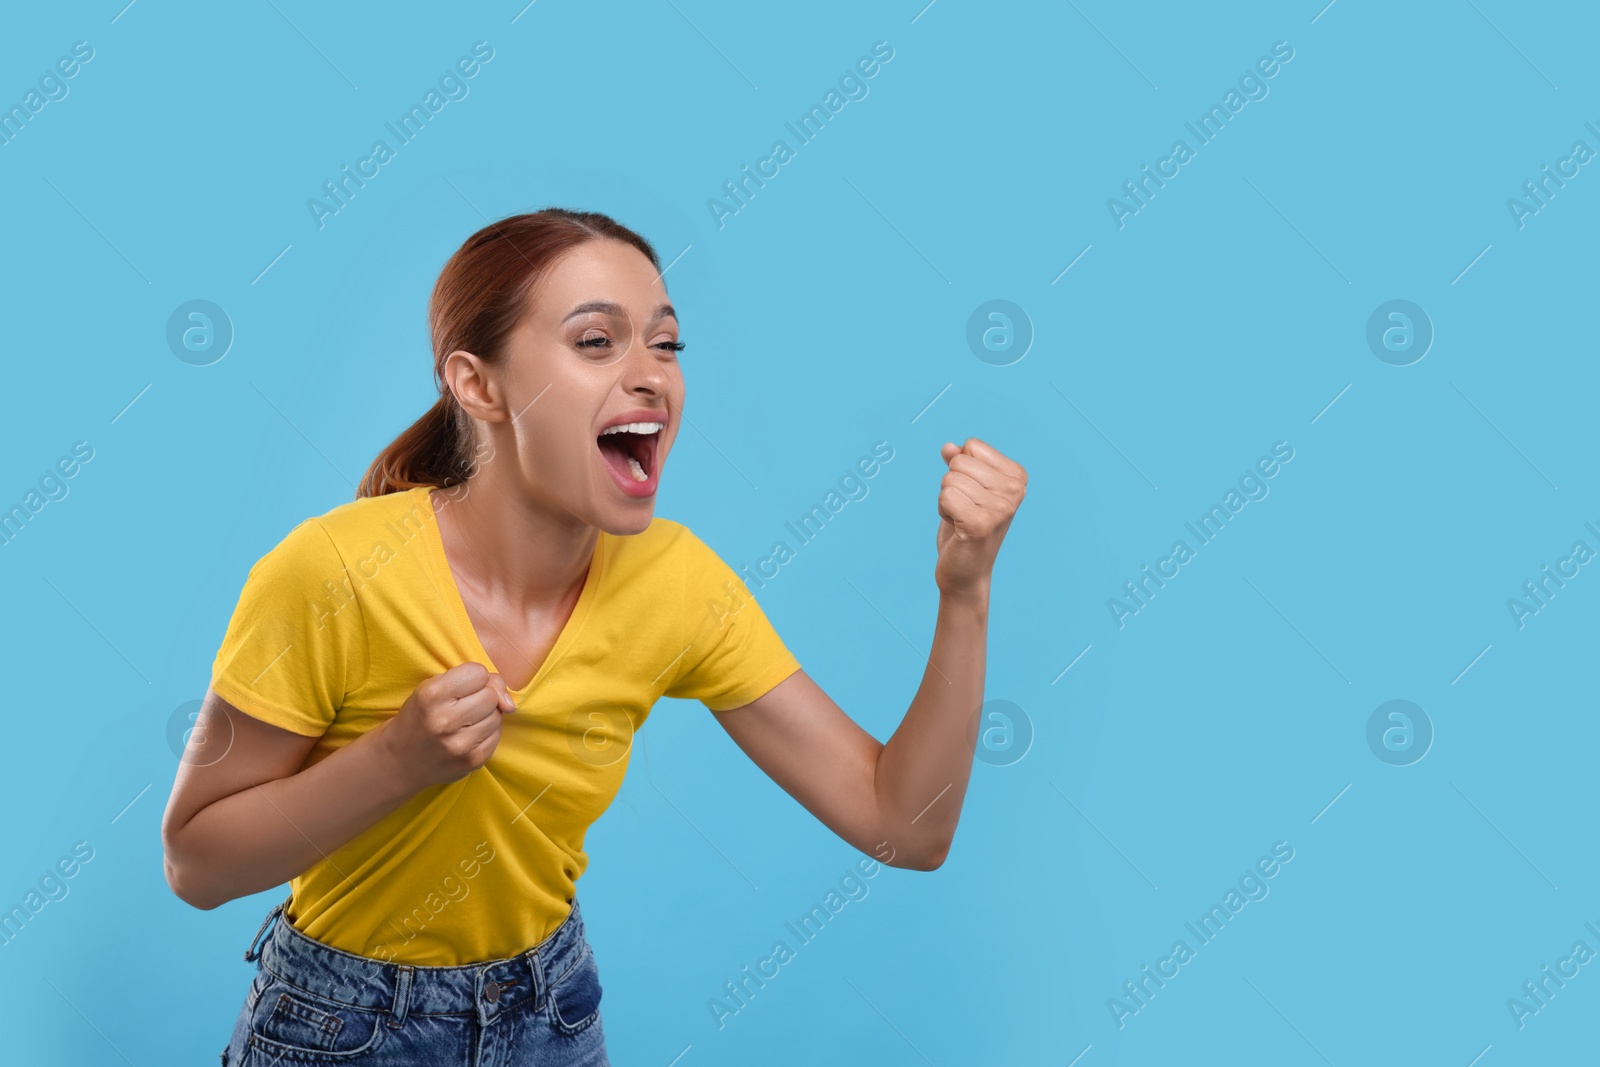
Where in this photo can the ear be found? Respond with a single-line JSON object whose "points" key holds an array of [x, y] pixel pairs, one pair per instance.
{"points": [[475, 385]]}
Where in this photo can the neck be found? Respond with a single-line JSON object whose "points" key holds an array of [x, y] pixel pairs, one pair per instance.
{"points": [[511, 548]]}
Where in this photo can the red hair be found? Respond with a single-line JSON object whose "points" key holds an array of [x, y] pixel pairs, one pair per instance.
{"points": [[481, 294]]}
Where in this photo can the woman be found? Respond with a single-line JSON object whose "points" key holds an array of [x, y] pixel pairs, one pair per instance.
{"points": [[426, 695]]}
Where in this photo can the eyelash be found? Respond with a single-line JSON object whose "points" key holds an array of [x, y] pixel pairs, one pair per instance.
{"points": [[596, 342]]}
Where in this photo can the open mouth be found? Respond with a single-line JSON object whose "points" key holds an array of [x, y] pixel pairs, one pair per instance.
{"points": [[629, 450]]}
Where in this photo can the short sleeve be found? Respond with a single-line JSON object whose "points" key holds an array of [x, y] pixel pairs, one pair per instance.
{"points": [[296, 642], [732, 655]]}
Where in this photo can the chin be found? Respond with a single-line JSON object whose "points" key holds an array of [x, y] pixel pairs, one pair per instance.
{"points": [[625, 522]]}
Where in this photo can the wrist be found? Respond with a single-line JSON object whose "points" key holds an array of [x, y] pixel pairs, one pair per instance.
{"points": [[391, 767], [974, 595]]}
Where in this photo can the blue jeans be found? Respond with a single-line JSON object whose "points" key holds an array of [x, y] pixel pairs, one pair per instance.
{"points": [[311, 1003]]}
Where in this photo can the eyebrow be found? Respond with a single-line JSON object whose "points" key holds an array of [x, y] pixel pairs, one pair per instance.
{"points": [[608, 307]]}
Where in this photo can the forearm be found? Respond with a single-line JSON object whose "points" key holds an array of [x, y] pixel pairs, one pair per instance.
{"points": [[923, 769], [262, 836]]}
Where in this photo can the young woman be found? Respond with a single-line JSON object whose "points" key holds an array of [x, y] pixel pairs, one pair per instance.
{"points": [[425, 696]]}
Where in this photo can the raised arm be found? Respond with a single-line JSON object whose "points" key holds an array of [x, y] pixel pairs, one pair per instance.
{"points": [[900, 801]]}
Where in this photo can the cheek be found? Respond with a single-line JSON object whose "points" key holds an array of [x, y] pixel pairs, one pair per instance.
{"points": [[670, 437], [553, 432]]}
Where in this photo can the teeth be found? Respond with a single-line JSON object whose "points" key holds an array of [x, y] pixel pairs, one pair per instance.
{"points": [[638, 472], [634, 427]]}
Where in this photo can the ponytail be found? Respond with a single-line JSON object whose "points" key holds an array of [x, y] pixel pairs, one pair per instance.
{"points": [[432, 451]]}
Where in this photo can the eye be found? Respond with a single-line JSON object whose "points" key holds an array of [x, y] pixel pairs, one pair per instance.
{"points": [[604, 342]]}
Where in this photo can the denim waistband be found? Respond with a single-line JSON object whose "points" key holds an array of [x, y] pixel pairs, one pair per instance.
{"points": [[486, 988]]}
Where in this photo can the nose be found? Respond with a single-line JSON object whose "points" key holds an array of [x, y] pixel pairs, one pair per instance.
{"points": [[644, 371]]}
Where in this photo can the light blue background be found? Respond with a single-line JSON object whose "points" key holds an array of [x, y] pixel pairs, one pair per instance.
{"points": [[826, 315]]}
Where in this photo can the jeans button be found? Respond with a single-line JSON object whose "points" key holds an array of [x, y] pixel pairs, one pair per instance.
{"points": [[491, 992]]}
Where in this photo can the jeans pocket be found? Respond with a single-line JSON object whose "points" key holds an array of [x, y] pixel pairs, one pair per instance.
{"points": [[295, 1026], [575, 998]]}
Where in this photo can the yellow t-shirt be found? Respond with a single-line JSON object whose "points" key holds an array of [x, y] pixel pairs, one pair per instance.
{"points": [[339, 623]]}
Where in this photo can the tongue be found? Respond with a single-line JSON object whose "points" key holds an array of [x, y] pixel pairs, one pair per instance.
{"points": [[636, 445], [619, 448]]}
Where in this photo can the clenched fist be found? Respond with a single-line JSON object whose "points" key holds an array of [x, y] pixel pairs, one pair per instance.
{"points": [[978, 496], [449, 726]]}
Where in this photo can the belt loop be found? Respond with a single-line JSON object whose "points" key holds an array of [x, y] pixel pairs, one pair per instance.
{"points": [[252, 953], [536, 966], [402, 996]]}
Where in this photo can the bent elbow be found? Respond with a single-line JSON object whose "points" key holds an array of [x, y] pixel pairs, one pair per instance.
{"points": [[930, 860], [183, 890], [179, 889]]}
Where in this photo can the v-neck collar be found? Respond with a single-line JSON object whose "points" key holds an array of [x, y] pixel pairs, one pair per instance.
{"points": [[458, 606]]}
